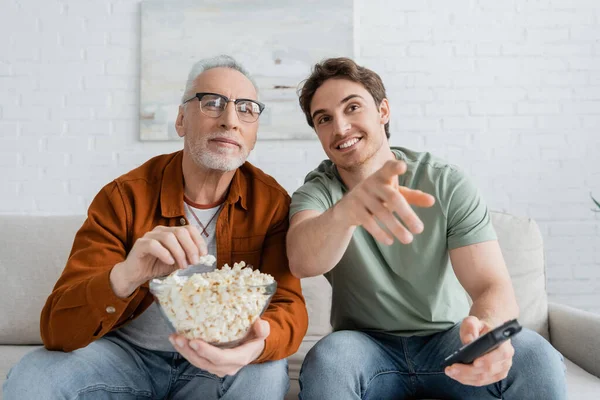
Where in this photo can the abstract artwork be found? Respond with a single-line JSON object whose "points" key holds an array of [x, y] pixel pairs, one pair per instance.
{"points": [[277, 41]]}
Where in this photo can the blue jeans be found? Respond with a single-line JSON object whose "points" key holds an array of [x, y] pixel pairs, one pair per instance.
{"points": [[359, 365], [111, 368]]}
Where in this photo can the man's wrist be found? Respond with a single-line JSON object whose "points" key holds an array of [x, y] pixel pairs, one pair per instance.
{"points": [[259, 352], [121, 284], [341, 217], [488, 320]]}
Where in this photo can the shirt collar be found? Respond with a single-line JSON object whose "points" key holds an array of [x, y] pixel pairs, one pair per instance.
{"points": [[171, 192]]}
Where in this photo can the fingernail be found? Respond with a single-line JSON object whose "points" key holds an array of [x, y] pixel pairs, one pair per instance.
{"points": [[450, 372], [477, 364], [172, 341], [418, 227], [180, 342], [195, 258], [194, 345]]}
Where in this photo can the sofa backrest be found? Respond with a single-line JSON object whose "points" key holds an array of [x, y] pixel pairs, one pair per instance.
{"points": [[523, 250], [33, 253], [34, 250]]}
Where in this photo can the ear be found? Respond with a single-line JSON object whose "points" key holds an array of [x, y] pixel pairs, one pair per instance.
{"points": [[179, 125], [384, 111]]}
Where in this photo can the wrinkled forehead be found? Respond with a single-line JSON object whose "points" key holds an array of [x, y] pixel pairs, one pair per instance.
{"points": [[226, 81]]}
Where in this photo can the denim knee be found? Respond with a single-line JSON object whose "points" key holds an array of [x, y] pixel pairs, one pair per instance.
{"points": [[339, 355], [537, 364], [269, 380], [90, 372], [32, 376], [329, 353]]}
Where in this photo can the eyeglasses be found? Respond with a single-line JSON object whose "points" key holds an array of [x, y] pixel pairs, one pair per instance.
{"points": [[213, 105]]}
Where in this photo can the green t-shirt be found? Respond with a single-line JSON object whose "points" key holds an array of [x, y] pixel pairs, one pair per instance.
{"points": [[403, 289]]}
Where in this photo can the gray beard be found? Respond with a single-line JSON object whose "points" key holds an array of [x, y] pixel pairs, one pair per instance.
{"points": [[215, 160]]}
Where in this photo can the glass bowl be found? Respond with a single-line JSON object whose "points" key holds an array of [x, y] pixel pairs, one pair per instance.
{"points": [[219, 313]]}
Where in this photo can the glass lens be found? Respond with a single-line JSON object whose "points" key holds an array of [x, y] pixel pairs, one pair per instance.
{"points": [[248, 110], [212, 105]]}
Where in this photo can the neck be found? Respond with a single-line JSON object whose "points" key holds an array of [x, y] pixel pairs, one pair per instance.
{"points": [[203, 185], [353, 176]]}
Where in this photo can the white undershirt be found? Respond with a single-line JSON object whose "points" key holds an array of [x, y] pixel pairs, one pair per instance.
{"points": [[204, 215]]}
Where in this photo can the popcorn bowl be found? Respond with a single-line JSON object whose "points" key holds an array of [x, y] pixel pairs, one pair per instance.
{"points": [[218, 307]]}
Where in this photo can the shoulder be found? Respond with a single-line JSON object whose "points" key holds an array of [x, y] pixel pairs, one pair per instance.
{"points": [[150, 172], [263, 184], [322, 188], [325, 173], [264, 197], [143, 182], [424, 160], [426, 171]]}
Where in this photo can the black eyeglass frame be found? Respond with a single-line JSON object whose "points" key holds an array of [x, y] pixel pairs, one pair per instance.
{"points": [[200, 95]]}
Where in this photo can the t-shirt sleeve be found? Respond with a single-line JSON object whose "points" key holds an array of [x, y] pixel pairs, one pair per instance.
{"points": [[468, 218], [313, 195]]}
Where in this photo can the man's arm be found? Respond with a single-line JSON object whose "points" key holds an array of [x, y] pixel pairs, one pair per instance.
{"points": [[286, 314], [99, 289], [317, 241], [82, 306], [481, 270]]}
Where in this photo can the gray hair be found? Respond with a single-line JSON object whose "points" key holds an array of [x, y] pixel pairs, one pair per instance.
{"points": [[222, 61]]}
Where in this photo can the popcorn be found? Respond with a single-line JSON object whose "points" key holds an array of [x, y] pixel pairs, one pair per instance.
{"points": [[218, 307]]}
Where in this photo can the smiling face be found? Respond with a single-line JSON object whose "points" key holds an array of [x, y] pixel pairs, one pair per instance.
{"points": [[348, 123], [222, 143]]}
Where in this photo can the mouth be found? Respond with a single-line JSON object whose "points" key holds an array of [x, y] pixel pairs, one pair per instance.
{"points": [[225, 142], [348, 144]]}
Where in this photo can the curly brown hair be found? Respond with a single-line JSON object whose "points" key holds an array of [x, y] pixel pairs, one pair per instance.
{"points": [[340, 68]]}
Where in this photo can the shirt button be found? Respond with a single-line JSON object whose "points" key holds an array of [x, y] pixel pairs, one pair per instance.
{"points": [[182, 221], [110, 310]]}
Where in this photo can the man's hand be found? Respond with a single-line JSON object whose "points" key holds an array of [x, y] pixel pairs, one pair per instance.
{"points": [[377, 198], [487, 369], [157, 253], [223, 362]]}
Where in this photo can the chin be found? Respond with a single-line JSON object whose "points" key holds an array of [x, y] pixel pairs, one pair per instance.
{"points": [[350, 163], [220, 162], [347, 164]]}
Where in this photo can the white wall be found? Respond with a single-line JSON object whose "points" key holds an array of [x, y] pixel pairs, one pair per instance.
{"points": [[509, 90]]}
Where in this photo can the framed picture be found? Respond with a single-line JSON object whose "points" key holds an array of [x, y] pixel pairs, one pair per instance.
{"points": [[278, 42]]}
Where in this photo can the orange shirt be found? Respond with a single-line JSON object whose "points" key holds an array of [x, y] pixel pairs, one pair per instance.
{"points": [[251, 227]]}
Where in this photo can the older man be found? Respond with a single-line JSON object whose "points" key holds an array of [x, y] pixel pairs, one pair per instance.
{"points": [[108, 337]]}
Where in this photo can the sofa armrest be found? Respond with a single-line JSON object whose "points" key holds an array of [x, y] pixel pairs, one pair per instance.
{"points": [[576, 334]]}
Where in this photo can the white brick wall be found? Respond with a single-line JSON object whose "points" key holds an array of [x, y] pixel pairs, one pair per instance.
{"points": [[509, 90]]}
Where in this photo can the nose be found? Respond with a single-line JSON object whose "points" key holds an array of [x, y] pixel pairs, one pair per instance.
{"points": [[340, 126], [229, 120]]}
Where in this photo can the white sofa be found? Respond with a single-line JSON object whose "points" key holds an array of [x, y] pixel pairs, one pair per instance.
{"points": [[33, 251]]}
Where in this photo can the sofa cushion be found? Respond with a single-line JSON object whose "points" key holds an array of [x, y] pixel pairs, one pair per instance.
{"points": [[580, 383], [317, 293], [34, 253], [522, 247]]}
